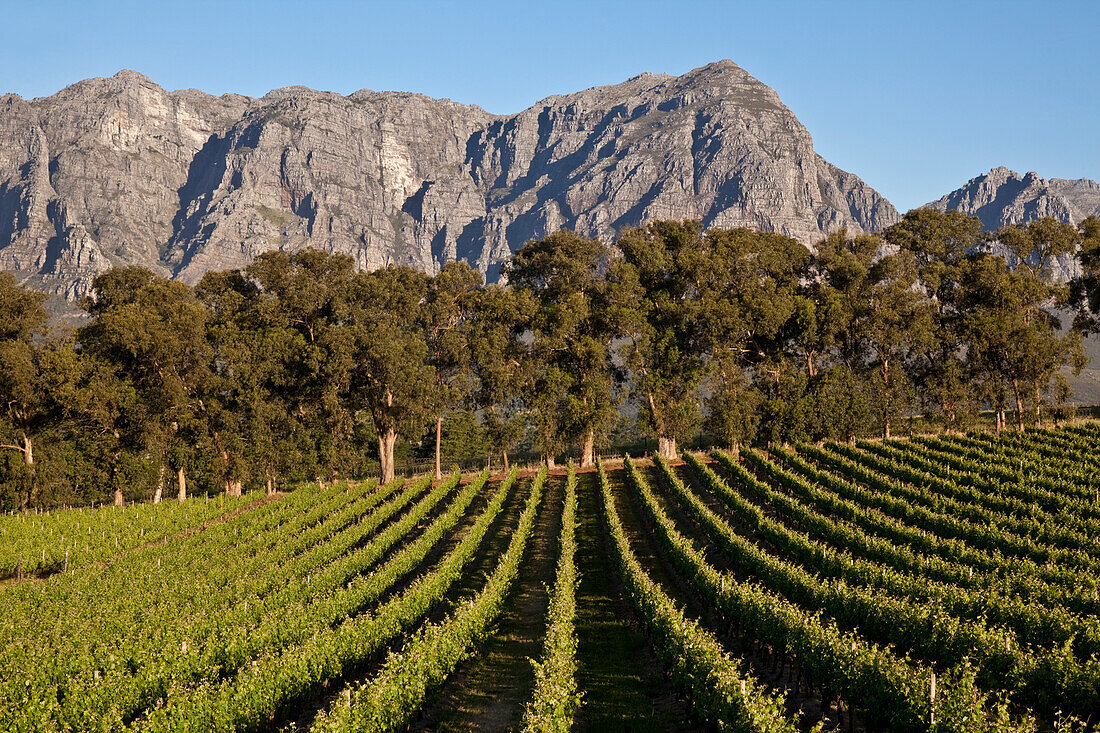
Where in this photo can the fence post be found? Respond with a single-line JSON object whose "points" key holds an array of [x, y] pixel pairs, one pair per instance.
{"points": [[932, 701]]}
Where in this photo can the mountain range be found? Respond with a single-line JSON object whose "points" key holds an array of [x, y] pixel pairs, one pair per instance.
{"points": [[113, 171]]}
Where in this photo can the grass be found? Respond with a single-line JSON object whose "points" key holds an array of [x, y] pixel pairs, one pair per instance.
{"points": [[278, 218]]}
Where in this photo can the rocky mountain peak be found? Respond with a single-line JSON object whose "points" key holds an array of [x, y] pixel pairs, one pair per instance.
{"points": [[1003, 196], [118, 170]]}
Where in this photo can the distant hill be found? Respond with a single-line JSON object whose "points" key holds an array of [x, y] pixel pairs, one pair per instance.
{"points": [[1003, 196]]}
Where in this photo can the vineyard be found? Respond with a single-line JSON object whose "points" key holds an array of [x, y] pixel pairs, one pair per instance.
{"points": [[944, 583]]}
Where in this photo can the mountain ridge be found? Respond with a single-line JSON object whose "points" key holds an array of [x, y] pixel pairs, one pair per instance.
{"points": [[117, 170], [1002, 196]]}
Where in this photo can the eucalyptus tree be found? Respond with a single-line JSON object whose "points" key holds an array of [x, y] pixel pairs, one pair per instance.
{"points": [[247, 416], [28, 406], [940, 242], [304, 312], [391, 378], [1012, 332], [494, 336], [747, 286], [572, 376], [899, 320], [1035, 248], [654, 298], [873, 315], [1085, 289], [151, 331], [447, 304]]}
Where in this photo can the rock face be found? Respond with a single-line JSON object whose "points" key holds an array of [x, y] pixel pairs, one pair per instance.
{"points": [[115, 171], [1003, 196]]}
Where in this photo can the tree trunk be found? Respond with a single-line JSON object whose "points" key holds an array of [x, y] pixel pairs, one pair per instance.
{"points": [[232, 485], [270, 485], [161, 473], [886, 399], [666, 448], [28, 461], [119, 500], [1019, 405], [181, 482], [1000, 416], [438, 444], [507, 466], [588, 450], [551, 463], [735, 450], [387, 439], [1038, 404]]}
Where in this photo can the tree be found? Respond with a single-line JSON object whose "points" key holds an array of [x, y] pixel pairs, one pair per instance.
{"points": [[391, 379], [1036, 247], [152, 333], [940, 243], [303, 313], [571, 372], [1085, 289], [247, 416], [747, 285], [734, 404], [446, 307], [655, 298], [28, 404], [493, 331], [899, 319], [1014, 341], [873, 314]]}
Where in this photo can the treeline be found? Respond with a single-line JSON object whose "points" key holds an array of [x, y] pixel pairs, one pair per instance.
{"points": [[300, 367]]}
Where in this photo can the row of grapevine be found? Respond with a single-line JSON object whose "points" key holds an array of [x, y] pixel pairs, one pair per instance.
{"points": [[898, 500], [911, 625], [719, 686], [556, 697], [969, 482], [390, 700], [948, 560], [1043, 680], [890, 693], [126, 681], [217, 646], [1031, 624], [67, 539], [271, 683], [995, 529], [90, 610], [1058, 479]]}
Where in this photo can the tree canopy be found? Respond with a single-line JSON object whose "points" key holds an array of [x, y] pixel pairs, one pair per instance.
{"points": [[301, 367]]}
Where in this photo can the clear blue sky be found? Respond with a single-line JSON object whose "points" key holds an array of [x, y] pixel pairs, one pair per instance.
{"points": [[915, 98]]}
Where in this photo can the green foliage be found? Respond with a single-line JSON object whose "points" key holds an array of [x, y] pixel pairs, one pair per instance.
{"points": [[653, 296], [569, 372], [556, 697], [463, 437], [300, 367]]}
